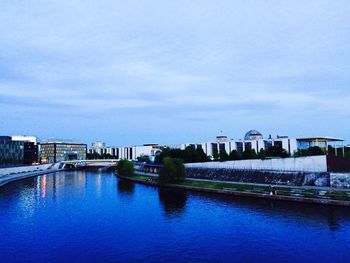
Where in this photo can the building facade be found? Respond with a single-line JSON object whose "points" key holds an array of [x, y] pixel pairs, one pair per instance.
{"points": [[254, 140], [57, 151], [98, 147], [31, 151], [129, 152], [11, 152]]}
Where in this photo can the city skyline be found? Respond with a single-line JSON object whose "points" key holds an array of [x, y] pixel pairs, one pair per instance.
{"points": [[170, 73]]}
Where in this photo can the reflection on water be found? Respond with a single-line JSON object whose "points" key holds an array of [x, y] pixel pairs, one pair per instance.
{"points": [[173, 201], [311, 214], [48, 186], [90, 216], [125, 187]]}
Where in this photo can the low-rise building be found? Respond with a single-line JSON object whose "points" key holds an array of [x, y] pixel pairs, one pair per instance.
{"points": [[133, 152], [98, 147], [57, 151], [254, 140]]}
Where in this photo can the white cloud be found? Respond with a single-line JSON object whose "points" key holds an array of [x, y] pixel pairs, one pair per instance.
{"points": [[192, 61]]}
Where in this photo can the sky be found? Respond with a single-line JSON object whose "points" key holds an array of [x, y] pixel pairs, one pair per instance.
{"points": [[171, 72]]}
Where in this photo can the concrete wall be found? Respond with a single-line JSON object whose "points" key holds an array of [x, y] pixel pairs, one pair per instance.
{"points": [[302, 164], [22, 169]]}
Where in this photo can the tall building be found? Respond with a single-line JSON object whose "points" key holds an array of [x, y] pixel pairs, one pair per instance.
{"points": [[57, 151], [30, 154], [11, 152]]}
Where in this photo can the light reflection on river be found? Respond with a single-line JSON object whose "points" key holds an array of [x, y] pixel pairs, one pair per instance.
{"points": [[93, 217]]}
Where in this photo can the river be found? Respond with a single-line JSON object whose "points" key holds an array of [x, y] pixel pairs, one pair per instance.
{"points": [[86, 216]]}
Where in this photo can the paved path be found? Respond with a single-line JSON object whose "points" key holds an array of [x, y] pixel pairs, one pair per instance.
{"points": [[26, 172]]}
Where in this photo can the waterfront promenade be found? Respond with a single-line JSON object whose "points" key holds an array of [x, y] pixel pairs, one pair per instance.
{"points": [[11, 174], [301, 194]]}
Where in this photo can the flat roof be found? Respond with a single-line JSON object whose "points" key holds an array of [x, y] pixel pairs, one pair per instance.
{"points": [[65, 143], [320, 139]]}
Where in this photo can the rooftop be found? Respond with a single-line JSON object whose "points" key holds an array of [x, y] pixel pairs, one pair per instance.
{"points": [[319, 139]]}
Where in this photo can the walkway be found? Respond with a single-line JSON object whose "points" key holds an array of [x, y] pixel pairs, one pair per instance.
{"points": [[17, 173]]}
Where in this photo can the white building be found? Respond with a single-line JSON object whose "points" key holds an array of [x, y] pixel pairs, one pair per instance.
{"points": [[133, 152], [98, 147], [255, 141], [25, 138]]}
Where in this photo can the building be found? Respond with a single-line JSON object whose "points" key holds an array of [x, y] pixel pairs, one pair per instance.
{"points": [[98, 147], [24, 138], [133, 152], [126, 152], [57, 151], [254, 140], [31, 150], [11, 152]]}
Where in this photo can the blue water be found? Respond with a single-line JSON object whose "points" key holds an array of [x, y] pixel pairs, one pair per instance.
{"points": [[92, 217]]}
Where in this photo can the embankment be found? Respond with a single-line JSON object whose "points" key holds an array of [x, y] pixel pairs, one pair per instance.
{"points": [[321, 179], [319, 171], [241, 193], [11, 174]]}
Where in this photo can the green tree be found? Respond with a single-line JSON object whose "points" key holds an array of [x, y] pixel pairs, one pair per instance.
{"points": [[315, 150], [143, 159], [262, 154], [201, 156], [275, 151], [93, 156], [249, 154], [215, 154], [125, 168], [223, 155], [106, 156], [347, 151], [188, 155], [173, 170], [234, 155]]}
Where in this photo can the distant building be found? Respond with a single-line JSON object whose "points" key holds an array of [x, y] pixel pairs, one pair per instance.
{"points": [[11, 152], [129, 152], [30, 154], [57, 151], [98, 147], [254, 140], [24, 138]]}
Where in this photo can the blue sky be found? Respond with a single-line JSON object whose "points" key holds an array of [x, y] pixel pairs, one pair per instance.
{"points": [[133, 72]]}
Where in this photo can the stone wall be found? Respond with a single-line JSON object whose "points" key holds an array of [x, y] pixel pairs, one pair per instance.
{"points": [[261, 177], [340, 180]]}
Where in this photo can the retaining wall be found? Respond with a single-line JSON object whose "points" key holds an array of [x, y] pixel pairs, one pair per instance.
{"points": [[22, 169], [300, 164], [321, 179], [340, 180]]}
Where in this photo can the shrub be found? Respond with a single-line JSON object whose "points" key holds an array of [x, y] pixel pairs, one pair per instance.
{"points": [[125, 168]]}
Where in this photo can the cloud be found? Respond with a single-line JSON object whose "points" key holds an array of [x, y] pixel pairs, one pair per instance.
{"points": [[232, 63]]}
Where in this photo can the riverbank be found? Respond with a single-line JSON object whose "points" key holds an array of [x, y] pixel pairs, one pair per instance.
{"points": [[18, 173], [326, 197]]}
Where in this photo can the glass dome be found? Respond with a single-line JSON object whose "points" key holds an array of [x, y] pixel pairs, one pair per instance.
{"points": [[253, 135]]}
